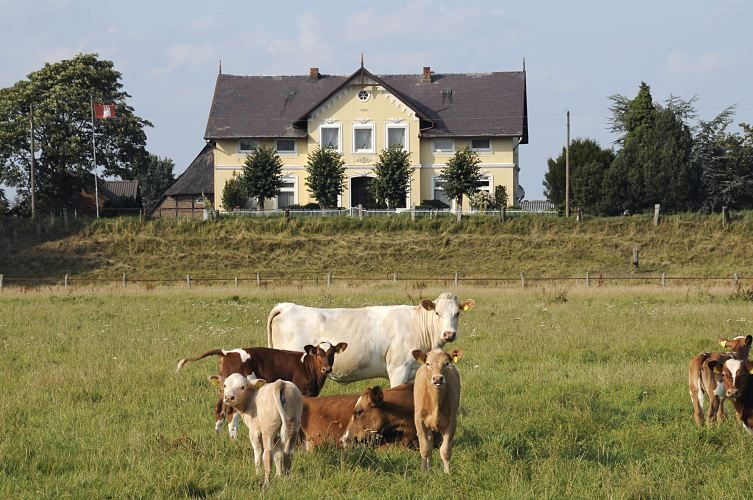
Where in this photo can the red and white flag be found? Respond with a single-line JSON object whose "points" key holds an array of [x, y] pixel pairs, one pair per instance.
{"points": [[104, 111]]}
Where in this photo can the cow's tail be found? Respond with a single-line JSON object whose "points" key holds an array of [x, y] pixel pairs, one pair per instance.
{"points": [[280, 401], [276, 311], [213, 352]]}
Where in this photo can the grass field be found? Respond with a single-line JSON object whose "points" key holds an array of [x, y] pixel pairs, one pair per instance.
{"points": [[578, 393], [682, 245]]}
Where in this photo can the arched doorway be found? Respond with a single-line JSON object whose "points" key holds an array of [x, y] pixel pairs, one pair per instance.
{"points": [[360, 193]]}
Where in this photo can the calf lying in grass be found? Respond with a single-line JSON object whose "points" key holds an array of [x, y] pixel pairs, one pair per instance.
{"points": [[272, 413], [307, 370], [703, 381]]}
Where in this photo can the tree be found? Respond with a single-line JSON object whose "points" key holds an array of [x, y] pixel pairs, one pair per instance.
{"points": [[262, 174], [234, 193], [500, 197], [393, 174], [462, 175], [631, 115], [326, 176], [155, 175], [60, 93], [588, 163], [4, 205]]}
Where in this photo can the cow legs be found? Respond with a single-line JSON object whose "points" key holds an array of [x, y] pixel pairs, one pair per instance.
{"points": [[401, 375], [232, 425], [256, 444], [425, 445], [269, 449], [713, 409], [219, 416], [445, 451]]}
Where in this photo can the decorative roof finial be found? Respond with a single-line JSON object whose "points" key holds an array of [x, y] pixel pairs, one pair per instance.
{"points": [[361, 59], [524, 64], [220, 66]]}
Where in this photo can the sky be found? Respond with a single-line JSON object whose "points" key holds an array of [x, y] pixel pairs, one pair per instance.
{"points": [[577, 54]]}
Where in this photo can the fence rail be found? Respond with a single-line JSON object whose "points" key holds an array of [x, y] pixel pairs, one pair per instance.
{"points": [[328, 279]]}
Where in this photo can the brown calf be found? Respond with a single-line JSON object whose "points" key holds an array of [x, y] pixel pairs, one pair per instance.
{"points": [[736, 375], [703, 381], [436, 395], [307, 370]]}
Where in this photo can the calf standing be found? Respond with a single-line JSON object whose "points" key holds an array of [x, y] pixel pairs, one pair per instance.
{"points": [[736, 375], [436, 395], [307, 370], [703, 381], [270, 411]]}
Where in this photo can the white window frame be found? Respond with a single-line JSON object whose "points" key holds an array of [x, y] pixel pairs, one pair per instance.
{"points": [[490, 187], [339, 128], [481, 150], [295, 146], [364, 126], [434, 181], [294, 189], [388, 126], [246, 151], [446, 151]]}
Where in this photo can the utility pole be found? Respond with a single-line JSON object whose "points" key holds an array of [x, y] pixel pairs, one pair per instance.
{"points": [[94, 156], [33, 175], [567, 168]]}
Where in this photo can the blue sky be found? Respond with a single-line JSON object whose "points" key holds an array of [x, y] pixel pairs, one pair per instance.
{"points": [[577, 53]]}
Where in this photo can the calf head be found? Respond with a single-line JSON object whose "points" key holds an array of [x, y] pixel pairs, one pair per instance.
{"points": [[438, 363], [368, 417], [739, 346], [323, 355], [446, 311], [237, 389], [736, 374]]}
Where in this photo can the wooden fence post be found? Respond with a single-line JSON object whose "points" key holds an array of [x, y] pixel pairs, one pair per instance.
{"points": [[737, 278], [663, 279], [459, 214], [65, 281], [725, 217], [258, 279], [236, 281], [456, 279], [636, 258], [360, 212], [412, 212], [188, 280], [588, 280], [522, 280], [579, 216], [287, 213], [394, 277], [329, 278], [125, 280], [1, 281], [657, 207]]}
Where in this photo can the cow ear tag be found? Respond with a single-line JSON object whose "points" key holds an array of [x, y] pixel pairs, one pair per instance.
{"points": [[455, 358], [750, 370], [465, 307]]}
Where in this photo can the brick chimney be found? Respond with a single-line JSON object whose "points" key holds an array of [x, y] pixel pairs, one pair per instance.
{"points": [[314, 73], [427, 74]]}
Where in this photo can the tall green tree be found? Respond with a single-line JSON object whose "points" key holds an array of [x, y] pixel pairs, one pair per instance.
{"points": [[326, 176], [632, 115], [155, 175], [4, 205], [234, 195], [262, 174], [588, 164], [60, 93], [461, 175], [393, 174]]}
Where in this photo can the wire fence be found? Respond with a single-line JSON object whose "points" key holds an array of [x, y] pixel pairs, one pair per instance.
{"points": [[329, 279]]}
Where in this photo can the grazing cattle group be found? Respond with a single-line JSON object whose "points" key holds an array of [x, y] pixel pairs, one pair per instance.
{"points": [[275, 388]]}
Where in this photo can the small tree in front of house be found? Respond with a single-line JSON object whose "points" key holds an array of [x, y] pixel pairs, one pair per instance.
{"points": [[393, 173], [234, 193], [262, 174], [462, 175], [500, 197], [326, 176]]}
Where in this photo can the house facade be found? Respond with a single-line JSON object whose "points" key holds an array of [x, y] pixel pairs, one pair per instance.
{"points": [[431, 115]]}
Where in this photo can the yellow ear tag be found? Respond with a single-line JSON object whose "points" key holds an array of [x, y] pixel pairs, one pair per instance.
{"points": [[455, 358], [465, 307]]}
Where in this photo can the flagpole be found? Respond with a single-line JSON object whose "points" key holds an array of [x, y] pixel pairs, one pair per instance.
{"points": [[94, 156]]}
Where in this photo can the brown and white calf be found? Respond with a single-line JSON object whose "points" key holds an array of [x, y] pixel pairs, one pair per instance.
{"points": [[272, 413], [702, 381], [436, 396], [736, 375], [307, 370]]}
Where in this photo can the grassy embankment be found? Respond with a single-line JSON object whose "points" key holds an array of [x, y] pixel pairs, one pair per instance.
{"points": [[579, 398], [682, 245]]}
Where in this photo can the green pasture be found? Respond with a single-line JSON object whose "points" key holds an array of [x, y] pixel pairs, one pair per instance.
{"points": [[565, 393]]}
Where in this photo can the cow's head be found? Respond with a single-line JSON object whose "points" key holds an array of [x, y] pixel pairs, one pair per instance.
{"points": [[438, 363], [323, 355], [236, 389], [736, 374], [446, 311], [739, 346], [368, 417]]}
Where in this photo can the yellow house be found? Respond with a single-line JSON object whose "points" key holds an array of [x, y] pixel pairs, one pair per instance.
{"points": [[431, 115]]}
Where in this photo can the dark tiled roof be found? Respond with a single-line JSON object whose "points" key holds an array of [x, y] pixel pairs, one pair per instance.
{"points": [[121, 189], [198, 177], [491, 104]]}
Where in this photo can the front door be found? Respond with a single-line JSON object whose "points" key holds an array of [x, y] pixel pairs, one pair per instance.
{"points": [[360, 193]]}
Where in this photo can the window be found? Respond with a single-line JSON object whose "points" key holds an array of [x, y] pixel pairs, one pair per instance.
{"points": [[287, 193], [363, 95], [247, 145], [397, 134], [444, 145], [485, 184], [481, 145], [329, 137], [286, 145], [439, 193], [363, 138]]}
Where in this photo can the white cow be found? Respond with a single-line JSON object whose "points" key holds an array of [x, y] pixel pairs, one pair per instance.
{"points": [[380, 339]]}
